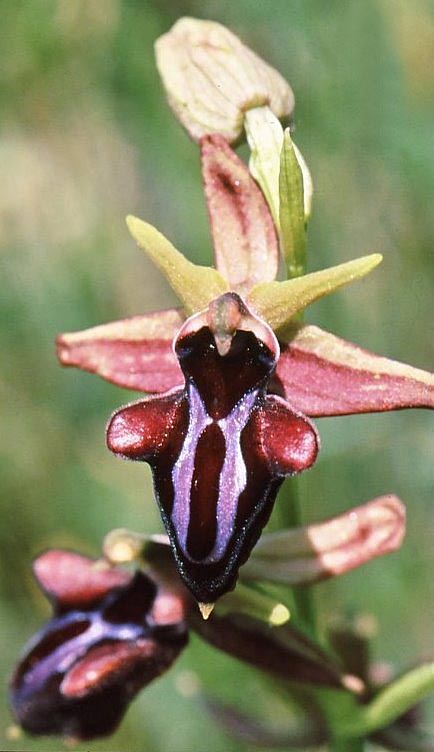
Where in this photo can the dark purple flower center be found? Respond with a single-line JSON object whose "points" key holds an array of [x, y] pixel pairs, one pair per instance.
{"points": [[220, 447]]}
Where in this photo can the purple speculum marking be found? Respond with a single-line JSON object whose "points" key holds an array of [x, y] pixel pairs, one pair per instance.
{"points": [[119, 616], [182, 473], [233, 476], [219, 448], [223, 392], [59, 661]]}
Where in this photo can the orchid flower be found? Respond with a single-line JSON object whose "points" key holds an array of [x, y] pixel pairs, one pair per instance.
{"points": [[233, 416], [234, 375]]}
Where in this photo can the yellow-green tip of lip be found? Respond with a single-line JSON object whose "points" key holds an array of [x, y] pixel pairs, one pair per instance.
{"points": [[206, 609]]}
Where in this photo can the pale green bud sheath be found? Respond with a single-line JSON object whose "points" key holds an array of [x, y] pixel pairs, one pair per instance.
{"points": [[282, 173]]}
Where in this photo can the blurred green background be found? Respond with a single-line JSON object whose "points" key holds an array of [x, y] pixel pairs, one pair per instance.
{"points": [[86, 137]]}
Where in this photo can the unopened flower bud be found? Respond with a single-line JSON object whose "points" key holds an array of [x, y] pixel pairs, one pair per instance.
{"points": [[212, 79], [304, 555]]}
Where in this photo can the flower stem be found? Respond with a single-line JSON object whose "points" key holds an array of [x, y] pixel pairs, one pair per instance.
{"points": [[289, 516]]}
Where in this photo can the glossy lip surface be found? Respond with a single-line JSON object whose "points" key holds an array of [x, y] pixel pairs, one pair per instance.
{"points": [[212, 446]]}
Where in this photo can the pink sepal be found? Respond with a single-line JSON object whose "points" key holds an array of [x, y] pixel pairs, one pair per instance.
{"points": [[323, 375], [135, 353], [245, 243], [75, 581]]}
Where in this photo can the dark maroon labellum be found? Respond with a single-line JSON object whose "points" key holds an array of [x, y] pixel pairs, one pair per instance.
{"points": [[219, 448]]}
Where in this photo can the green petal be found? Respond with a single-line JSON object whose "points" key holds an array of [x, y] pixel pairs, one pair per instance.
{"points": [[279, 302], [291, 210], [264, 136], [274, 167], [194, 285]]}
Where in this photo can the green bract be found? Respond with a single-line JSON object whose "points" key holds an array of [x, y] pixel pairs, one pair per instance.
{"points": [[291, 210]]}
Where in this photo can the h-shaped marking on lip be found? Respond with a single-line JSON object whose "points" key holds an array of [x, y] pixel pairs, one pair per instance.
{"points": [[73, 649], [233, 476]]}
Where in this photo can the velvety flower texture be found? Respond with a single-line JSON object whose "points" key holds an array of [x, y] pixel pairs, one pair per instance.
{"points": [[220, 446], [111, 633]]}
